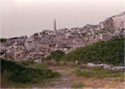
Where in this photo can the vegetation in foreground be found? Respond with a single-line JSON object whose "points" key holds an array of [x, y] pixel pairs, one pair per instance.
{"points": [[56, 55], [20, 74], [109, 52], [98, 73]]}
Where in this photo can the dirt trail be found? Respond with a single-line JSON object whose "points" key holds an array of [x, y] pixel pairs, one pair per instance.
{"points": [[66, 80]]}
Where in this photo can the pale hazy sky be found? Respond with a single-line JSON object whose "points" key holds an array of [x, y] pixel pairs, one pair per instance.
{"points": [[25, 17]]}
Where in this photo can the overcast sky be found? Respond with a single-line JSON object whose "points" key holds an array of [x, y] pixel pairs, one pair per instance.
{"points": [[25, 17]]}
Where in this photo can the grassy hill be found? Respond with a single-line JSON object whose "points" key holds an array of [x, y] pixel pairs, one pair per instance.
{"points": [[110, 52], [13, 74]]}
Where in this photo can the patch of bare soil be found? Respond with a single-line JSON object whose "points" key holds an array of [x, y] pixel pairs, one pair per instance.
{"points": [[103, 83], [68, 78]]}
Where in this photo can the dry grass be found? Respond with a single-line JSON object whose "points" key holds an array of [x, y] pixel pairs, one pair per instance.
{"points": [[78, 85], [96, 72]]}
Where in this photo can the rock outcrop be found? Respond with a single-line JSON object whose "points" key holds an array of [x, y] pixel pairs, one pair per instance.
{"points": [[114, 23]]}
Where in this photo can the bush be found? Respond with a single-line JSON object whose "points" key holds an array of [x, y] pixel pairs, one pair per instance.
{"points": [[17, 73], [110, 52], [56, 55], [3, 40]]}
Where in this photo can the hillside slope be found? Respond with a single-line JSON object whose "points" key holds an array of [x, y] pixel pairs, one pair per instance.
{"points": [[110, 52], [13, 73]]}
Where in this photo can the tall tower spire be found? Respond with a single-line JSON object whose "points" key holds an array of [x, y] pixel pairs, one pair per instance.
{"points": [[55, 26]]}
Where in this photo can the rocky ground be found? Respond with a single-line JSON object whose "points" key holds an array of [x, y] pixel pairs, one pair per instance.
{"points": [[68, 79]]}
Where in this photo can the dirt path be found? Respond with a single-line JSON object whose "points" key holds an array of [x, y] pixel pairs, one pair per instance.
{"points": [[66, 80]]}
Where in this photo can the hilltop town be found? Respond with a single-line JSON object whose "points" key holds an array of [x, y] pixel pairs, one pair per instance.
{"points": [[40, 45]]}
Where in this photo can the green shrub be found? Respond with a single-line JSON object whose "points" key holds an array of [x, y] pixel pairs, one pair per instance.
{"points": [[16, 72], [56, 55], [3, 40], [110, 52]]}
